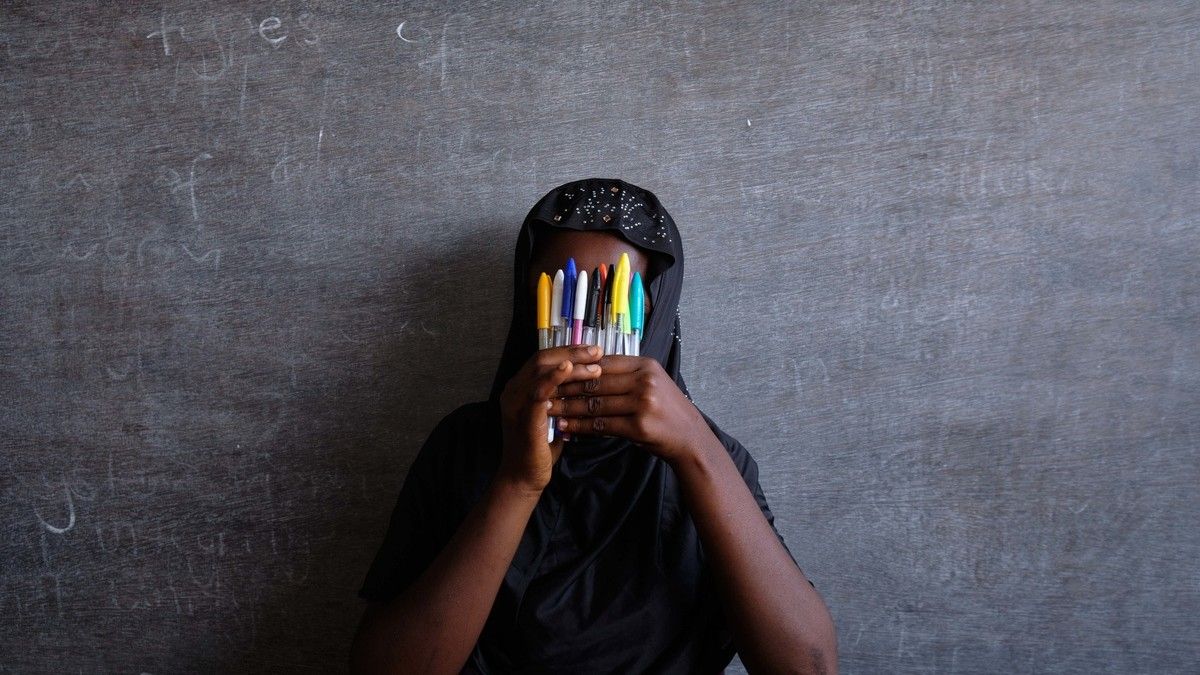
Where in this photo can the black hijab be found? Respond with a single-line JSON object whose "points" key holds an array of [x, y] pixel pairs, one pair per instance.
{"points": [[615, 206], [610, 574]]}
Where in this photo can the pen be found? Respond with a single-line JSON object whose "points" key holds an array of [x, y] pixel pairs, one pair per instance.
{"points": [[549, 297], [568, 300], [621, 303], [580, 297], [589, 309], [637, 305], [543, 310], [556, 310], [606, 312]]}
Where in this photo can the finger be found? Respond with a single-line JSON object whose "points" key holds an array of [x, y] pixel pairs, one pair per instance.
{"points": [[576, 373], [577, 353], [607, 384], [537, 420], [623, 363], [545, 385], [581, 371], [596, 406], [624, 426]]}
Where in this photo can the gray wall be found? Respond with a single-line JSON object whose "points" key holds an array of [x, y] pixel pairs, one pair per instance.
{"points": [[941, 281]]}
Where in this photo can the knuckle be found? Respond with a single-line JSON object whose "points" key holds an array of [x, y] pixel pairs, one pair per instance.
{"points": [[593, 404], [640, 425], [597, 424], [591, 385]]}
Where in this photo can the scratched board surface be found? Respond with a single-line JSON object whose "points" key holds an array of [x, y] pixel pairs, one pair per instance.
{"points": [[942, 281]]}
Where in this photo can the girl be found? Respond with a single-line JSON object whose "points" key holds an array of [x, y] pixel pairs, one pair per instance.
{"points": [[643, 544]]}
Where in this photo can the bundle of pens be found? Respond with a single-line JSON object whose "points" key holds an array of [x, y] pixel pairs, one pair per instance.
{"points": [[606, 308]]}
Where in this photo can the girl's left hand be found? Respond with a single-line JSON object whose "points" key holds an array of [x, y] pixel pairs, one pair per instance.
{"points": [[632, 398]]}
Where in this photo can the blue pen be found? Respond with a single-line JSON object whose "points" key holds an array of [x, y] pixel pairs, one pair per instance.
{"points": [[568, 301]]}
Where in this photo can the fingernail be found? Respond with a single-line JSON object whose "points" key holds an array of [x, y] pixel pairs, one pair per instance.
{"points": [[593, 368], [562, 424], [593, 351]]}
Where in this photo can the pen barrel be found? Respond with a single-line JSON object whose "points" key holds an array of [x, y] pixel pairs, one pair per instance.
{"points": [[545, 341]]}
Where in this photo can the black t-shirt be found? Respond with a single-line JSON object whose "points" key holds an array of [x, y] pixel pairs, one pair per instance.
{"points": [[596, 582]]}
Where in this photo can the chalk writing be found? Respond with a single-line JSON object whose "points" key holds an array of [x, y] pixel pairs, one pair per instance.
{"points": [[164, 32]]}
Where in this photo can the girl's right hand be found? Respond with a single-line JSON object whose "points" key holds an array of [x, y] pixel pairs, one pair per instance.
{"points": [[528, 459]]}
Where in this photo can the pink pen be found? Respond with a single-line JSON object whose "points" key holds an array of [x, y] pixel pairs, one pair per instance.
{"points": [[579, 302]]}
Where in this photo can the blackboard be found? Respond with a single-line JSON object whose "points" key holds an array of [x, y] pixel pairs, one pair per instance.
{"points": [[942, 282]]}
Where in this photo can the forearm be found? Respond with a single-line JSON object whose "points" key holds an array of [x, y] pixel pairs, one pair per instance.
{"points": [[779, 622], [433, 626]]}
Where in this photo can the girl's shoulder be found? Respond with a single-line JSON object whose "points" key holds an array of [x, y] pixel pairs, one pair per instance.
{"points": [[462, 451]]}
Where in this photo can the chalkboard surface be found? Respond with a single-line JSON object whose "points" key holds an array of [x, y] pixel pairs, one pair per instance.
{"points": [[943, 281]]}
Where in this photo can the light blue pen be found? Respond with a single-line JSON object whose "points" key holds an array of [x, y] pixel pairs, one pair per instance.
{"points": [[637, 314]]}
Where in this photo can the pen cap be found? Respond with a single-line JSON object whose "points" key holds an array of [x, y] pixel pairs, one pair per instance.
{"points": [[637, 299], [590, 315], [568, 298], [543, 301], [606, 310], [556, 299], [621, 289], [581, 295], [611, 303]]}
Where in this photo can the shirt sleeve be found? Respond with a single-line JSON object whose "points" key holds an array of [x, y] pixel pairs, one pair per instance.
{"points": [[416, 532]]}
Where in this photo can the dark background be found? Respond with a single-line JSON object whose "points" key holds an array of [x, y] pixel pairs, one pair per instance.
{"points": [[942, 281]]}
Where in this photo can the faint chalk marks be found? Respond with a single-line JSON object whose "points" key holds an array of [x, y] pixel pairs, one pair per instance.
{"points": [[286, 167], [215, 254], [242, 93], [429, 331], [891, 299], [175, 183], [810, 369], [274, 411], [119, 375], [400, 33], [70, 251], [434, 63], [164, 32], [270, 25], [927, 315], [70, 513], [77, 178], [18, 124], [226, 60]]}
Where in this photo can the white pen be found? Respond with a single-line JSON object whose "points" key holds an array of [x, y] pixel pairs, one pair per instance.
{"points": [[556, 327]]}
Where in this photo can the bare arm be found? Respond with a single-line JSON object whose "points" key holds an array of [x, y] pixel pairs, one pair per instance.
{"points": [[779, 621], [434, 624]]}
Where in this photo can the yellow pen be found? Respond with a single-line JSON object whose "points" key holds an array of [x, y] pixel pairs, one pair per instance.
{"points": [[543, 311], [620, 305]]}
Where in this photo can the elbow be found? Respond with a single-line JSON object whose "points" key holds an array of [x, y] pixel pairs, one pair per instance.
{"points": [[815, 654], [819, 656], [364, 648], [807, 660]]}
